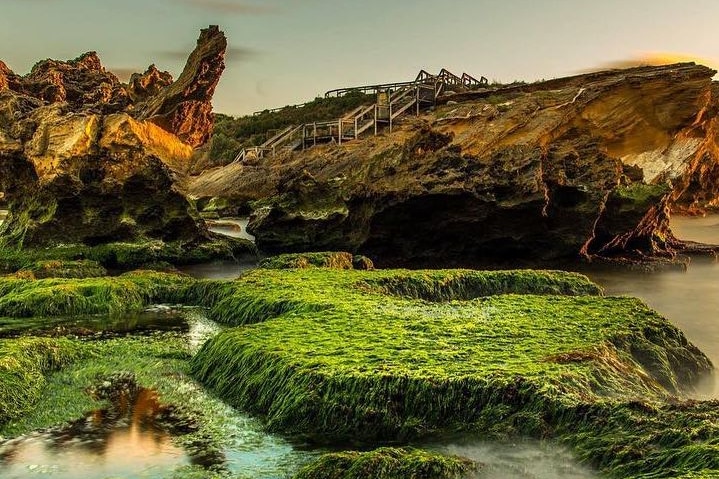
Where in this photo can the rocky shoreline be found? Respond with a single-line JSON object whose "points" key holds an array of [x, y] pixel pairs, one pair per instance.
{"points": [[325, 344], [579, 168]]}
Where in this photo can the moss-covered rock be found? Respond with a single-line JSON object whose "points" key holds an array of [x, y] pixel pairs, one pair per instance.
{"points": [[108, 295], [328, 259], [62, 269], [393, 355], [388, 463], [125, 256], [23, 366]]}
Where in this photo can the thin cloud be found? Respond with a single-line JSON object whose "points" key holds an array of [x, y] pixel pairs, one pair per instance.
{"points": [[124, 74], [233, 54], [228, 6], [653, 59]]}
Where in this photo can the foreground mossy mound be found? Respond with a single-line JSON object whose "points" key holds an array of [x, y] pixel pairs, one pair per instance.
{"points": [[392, 355], [125, 256], [24, 364], [329, 259], [107, 295], [388, 463]]}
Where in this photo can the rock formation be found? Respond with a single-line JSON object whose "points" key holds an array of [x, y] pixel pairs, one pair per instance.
{"points": [[184, 107], [86, 159], [583, 166]]}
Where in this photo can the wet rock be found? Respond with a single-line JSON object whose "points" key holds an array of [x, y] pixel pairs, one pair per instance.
{"points": [[389, 462], [330, 259]]}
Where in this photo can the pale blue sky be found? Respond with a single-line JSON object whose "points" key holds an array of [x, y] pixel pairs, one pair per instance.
{"points": [[289, 51]]}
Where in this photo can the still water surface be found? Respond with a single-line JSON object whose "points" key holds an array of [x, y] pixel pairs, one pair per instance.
{"points": [[689, 299]]}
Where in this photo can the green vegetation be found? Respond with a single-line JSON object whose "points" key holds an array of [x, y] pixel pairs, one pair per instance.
{"points": [[127, 255], [392, 355], [24, 363], [230, 134], [65, 297], [328, 259], [62, 269], [637, 195], [340, 354], [387, 463]]}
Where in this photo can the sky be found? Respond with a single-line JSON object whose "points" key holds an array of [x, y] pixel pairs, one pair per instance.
{"points": [[289, 51]]}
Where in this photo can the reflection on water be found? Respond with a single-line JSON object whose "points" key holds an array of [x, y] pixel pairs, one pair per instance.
{"points": [[234, 227], [689, 299], [219, 269], [156, 318], [520, 460], [131, 439], [3, 215]]}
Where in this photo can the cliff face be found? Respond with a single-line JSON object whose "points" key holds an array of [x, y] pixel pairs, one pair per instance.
{"points": [[86, 159], [587, 165]]}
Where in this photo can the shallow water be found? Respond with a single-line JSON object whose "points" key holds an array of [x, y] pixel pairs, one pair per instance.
{"points": [[517, 460], [135, 439], [126, 441], [689, 299], [234, 227], [219, 269]]}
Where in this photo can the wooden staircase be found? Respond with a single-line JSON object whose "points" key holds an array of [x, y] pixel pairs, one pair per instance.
{"points": [[393, 101]]}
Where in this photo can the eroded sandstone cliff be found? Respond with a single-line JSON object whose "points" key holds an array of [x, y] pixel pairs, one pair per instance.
{"points": [[582, 166], [86, 159]]}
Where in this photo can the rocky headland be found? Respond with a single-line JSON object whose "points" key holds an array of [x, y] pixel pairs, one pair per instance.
{"points": [[87, 160], [582, 167]]}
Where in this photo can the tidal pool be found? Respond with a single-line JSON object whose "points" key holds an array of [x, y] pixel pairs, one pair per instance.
{"points": [[137, 436], [234, 227], [523, 459], [126, 440]]}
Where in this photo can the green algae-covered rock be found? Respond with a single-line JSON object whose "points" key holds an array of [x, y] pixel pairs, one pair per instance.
{"points": [[62, 269], [133, 291], [393, 354], [23, 366], [388, 463], [125, 256], [328, 259]]}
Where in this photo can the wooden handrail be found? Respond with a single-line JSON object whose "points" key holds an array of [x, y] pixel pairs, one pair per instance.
{"points": [[424, 90]]}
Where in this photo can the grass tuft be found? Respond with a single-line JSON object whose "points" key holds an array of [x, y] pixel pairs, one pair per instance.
{"points": [[388, 463]]}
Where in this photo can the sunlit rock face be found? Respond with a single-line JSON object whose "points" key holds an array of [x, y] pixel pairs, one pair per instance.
{"points": [[87, 159], [584, 166]]}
